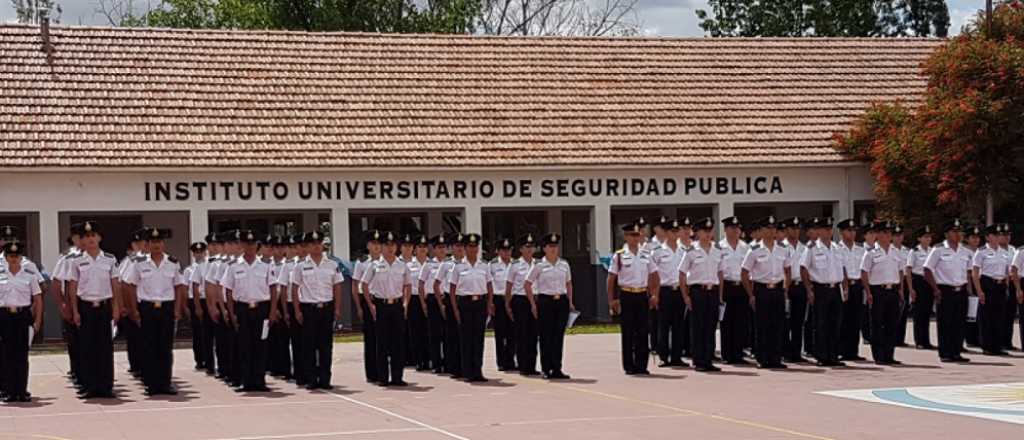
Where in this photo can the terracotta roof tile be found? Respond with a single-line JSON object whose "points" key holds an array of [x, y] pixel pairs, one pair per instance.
{"points": [[118, 97]]}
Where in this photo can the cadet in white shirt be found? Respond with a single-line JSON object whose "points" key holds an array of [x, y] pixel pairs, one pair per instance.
{"points": [[766, 276], [59, 292], [504, 338], [700, 274], [217, 307], [632, 290], [1016, 273], [972, 241], [22, 308], [442, 285], [435, 303], [881, 275], [672, 327], [415, 249], [295, 253], [247, 288], [316, 283], [853, 301], [202, 338], [387, 289], [945, 269], [158, 284], [738, 317], [472, 295], [130, 321], [991, 272], [797, 294], [904, 252], [94, 293], [549, 285], [921, 299], [822, 270], [1011, 291], [279, 360], [373, 248], [523, 309]]}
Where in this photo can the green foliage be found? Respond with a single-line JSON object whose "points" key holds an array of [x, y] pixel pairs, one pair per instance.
{"points": [[824, 18], [965, 140], [439, 16]]}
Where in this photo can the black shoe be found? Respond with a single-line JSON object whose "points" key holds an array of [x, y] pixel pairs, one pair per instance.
{"points": [[25, 398], [630, 372], [312, 386], [643, 373], [678, 363], [439, 371], [478, 379], [797, 360], [382, 383], [822, 364], [837, 364], [422, 368], [559, 375], [961, 359], [151, 392], [883, 363], [399, 383], [326, 387], [530, 373], [170, 391], [763, 366], [895, 362]]}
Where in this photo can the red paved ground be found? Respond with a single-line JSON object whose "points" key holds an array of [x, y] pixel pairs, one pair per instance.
{"points": [[599, 403]]}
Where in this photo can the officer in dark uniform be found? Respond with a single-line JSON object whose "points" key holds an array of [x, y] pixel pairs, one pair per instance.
{"points": [[129, 322], [435, 302], [921, 299], [523, 311], [700, 276], [853, 254], [946, 270], [737, 317], [316, 292], [972, 241], [990, 270], [797, 293], [823, 271], [417, 247], [442, 286]]}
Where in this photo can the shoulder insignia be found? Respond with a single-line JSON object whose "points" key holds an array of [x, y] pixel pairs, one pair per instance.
{"points": [[109, 255], [139, 258], [620, 251], [718, 245], [29, 271], [172, 259], [755, 246]]}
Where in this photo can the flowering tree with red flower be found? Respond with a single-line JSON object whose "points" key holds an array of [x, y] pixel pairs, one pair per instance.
{"points": [[965, 141]]}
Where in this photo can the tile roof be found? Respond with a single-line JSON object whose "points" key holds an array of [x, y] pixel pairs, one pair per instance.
{"points": [[119, 97]]}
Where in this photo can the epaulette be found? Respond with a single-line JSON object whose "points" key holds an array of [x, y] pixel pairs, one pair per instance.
{"points": [[172, 259], [717, 245], [364, 258], [811, 244], [109, 255], [620, 251], [755, 246], [140, 258], [30, 271]]}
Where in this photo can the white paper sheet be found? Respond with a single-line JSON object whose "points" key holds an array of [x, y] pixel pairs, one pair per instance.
{"points": [[972, 308], [113, 330], [31, 334], [721, 312], [266, 330], [573, 315]]}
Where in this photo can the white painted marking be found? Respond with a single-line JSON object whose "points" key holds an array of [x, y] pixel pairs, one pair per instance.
{"points": [[326, 434], [398, 416], [163, 408]]}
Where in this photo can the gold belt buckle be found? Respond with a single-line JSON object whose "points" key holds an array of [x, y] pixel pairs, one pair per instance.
{"points": [[252, 306], [157, 304], [12, 309], [96, 304], [771, 286], [474, 297], [319, 305], [390, 301], [957, 288], [556, 297]]}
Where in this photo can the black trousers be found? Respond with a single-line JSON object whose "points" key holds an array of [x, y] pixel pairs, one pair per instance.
{"points": [[703, 321], [653, 324], [770, 311], [279, 360], [435, 333], [369, 344], [971, 328], [671, 313], [391, 335], [991, 314], [552, 315], [3, 372], [922, 310], [526, 329], [252, 348], [1011, 313], [809, 326], [225, 350], [849, 331], [452, 342], [736, 322], [885, 321], [797, 315], [15, 350], [96, 342], [132, 334], [635, 320], [417, 349], [70, 335], [471, 335], [901, 328], [158, 341], [195, 324], [952, 311], [504, 336], [828, 312], [206, 332], [296, 342], [318, 342]]}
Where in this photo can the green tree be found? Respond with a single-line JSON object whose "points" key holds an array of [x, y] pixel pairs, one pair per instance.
{"points": [[824, 18], [31, 11]]}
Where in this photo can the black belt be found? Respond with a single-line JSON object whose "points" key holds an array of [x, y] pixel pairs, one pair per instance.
{"points": [[672, 288], [777, 285], [953, 288], [318, 305], [386, 301], [252, 305], [854, 282], [156, 304], [16, 310], [825, 285], [734, 283], [993, 280], [702, 286], [470, 297], [884, 286], [95, 304], [552, 296]]}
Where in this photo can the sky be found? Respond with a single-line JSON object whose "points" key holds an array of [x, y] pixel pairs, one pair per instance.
{"points": [[670, 18]]}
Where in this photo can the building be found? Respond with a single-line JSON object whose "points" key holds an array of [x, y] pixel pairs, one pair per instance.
{"points": [[282, 131]]}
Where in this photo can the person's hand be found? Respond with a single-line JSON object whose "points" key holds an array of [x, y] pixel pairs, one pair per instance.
{"points": [[135, 317], [286, 318], [76, 319], [1020, 296], [615, 307], [572, 307], [533, 310], [810, 296], [508, 311], [871, 298], [373, 311], [444, 312], [938, 296], [458, 317], [177, 313], [65, 312], [185, 312], [359, 313], [490, 309], [688, 302], [337, 313], [115, 313], [274, 316], [215, 315], [981, 298], [653, 301], [913, 295], [753, 302], [35, 327], [298, 317]]}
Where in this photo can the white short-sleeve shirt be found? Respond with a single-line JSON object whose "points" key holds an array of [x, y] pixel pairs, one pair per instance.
{"points": [[248, 283], [632, 270], [387, 280], [17, 289], [768, 266], [824, 263], [992, 262], [517, 275], [94, 275], [702, 266], [732, 258], [882, 266], [471, 278], [155, 282], [500, 274], [949, 266], [316, 281], [549, 278]]}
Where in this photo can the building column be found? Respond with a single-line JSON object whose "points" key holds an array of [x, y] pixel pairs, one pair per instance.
{"points": [[49, 251], [474, 220], [340, 242], [310, 221], [199, 223], [726, 209], [602, 237], [435, 222], [554, 221]]}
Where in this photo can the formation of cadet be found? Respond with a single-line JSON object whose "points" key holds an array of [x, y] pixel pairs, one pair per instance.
{"points": [[269, 304], [802, 293]]}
